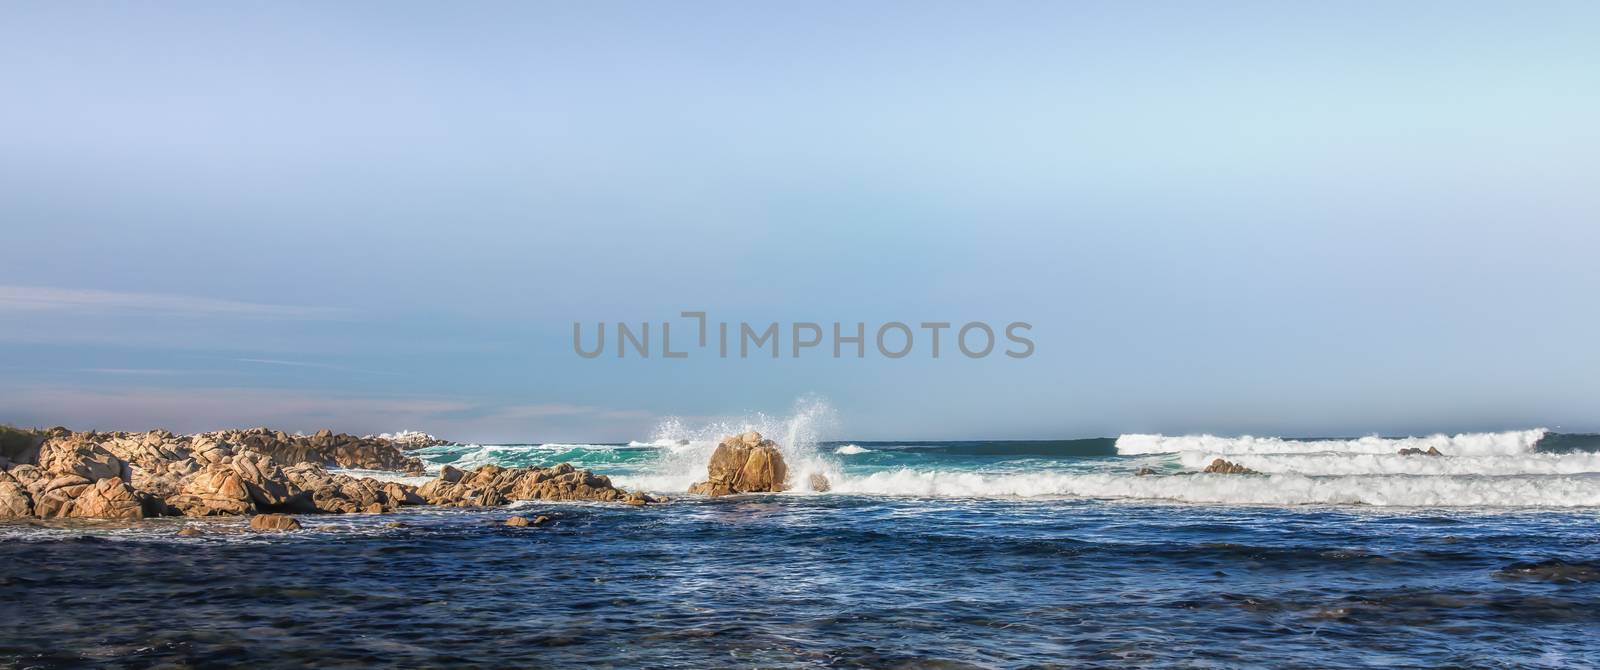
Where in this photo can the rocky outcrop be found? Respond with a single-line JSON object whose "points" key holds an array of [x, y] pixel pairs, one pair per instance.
{"points": [[744, 463], [490, 485], [251, 472], [1413, 451], [134, 475], [325, 448], [1223, 467]]}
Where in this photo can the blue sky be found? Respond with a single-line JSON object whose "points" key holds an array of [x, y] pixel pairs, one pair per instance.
{"points": [[1275, 218]]}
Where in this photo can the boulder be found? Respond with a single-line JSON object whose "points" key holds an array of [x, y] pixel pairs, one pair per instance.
{"points": [[274, 522], [79, 456], [215, 490], [744, 464], [1220, 466], [107, 499], [15, 501], [518, 521], [819, 483]]}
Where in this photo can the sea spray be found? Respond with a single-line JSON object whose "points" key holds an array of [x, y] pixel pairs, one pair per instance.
{"points": [[685, 449]]}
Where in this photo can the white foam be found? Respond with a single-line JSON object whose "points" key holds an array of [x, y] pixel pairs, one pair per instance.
{"points": [[850, 450], [1377, 490], [1395, 464], [1464, 444], [797, 436]]}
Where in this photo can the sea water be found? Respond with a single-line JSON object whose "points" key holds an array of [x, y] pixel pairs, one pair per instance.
{"points": [[1007, 554]]}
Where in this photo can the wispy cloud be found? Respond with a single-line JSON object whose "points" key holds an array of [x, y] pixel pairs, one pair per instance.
{"points": [[15, 298], [544, 410], [280, 362], [199, 409]]}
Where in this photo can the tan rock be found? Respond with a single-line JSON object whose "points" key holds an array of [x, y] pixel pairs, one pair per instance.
{"points": [[744, 464], [107, 499], [15, 502], [494, 485], [1221, 466], [78, 456], [190, 531], [819, 483], [274, 522], [215, 490], [517, 521]]}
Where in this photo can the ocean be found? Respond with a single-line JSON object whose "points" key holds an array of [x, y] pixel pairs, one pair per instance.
{"points": [[923, 554]]}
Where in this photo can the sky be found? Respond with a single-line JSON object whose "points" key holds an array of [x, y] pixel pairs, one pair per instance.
{"points": [[1230, 217]]}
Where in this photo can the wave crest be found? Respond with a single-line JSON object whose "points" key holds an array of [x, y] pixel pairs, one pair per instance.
{"points": [[1464, 444]]}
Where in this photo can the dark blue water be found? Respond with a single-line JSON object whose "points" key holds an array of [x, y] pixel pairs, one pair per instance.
{"points": [[818, 581]]}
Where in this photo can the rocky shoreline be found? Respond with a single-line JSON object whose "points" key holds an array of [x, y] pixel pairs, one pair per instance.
{"points": [[64, 474]]}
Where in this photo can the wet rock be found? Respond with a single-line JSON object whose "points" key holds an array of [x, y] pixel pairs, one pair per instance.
{"points": [[1146, 472], [274, 522], [190, 531], [819, 483], [1552, 571], [744, 464], [1412, 451], [541, 520], [518, 521], [397, 524], [1221, 466]]}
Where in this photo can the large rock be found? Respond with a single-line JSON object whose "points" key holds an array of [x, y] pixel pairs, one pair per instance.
{"points": [[343, 494], [215, 490], [15, 502], [744, 464]]}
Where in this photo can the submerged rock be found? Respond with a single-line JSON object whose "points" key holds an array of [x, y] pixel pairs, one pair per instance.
{"points": [[1557, 571], [1223, 467], [1413, 451], [274, 522], [1144, 472], [518, 521], [744, 464]]}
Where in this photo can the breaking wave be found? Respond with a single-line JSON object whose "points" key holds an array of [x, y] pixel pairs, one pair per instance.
{"points": [[850, 450], [798, 436], [1395, 464], [1375, 490], [1463, 444]]}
